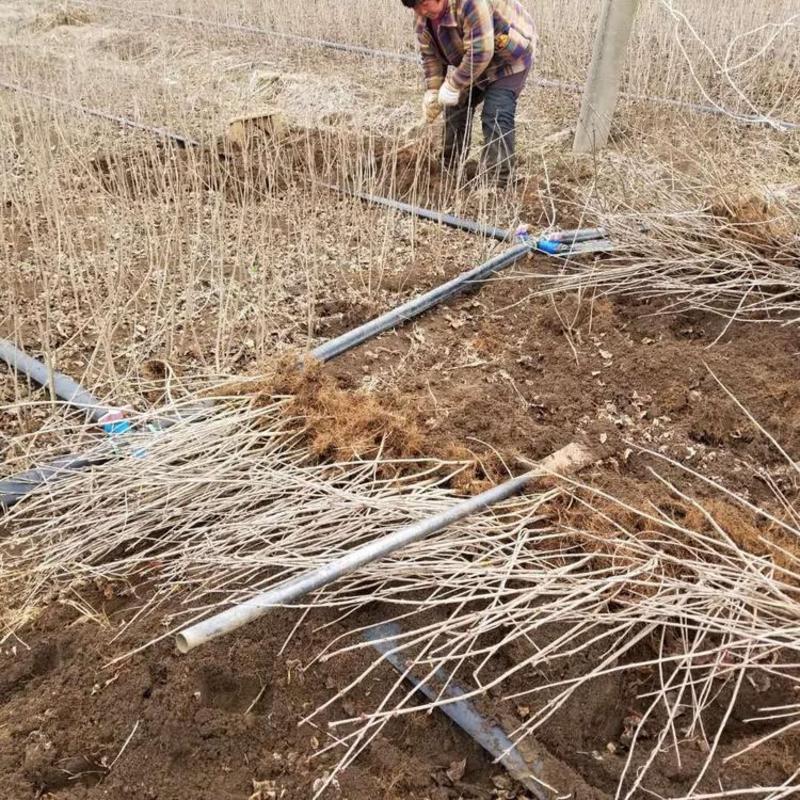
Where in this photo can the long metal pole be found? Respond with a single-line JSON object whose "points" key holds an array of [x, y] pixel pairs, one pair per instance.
{"points": [[569, 459], [602, 87]]}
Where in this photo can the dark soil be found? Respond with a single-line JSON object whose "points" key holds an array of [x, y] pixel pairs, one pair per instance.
{"points": [[499, 374], [504, 371], [221, 724]]}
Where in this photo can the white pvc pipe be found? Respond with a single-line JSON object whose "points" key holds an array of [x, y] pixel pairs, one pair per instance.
{"points": [[569, 459]]}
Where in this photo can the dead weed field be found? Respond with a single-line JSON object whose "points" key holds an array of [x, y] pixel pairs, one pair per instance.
{"points": [[636, 630]]}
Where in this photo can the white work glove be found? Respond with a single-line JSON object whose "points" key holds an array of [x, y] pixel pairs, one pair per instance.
{"points": [[448, 96], [430, 105]]}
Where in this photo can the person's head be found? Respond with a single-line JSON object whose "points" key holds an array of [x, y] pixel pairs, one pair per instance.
{"points": [[426, 8]]}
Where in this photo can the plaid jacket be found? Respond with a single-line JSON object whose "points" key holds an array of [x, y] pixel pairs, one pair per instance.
{"points": [[484, 39]]}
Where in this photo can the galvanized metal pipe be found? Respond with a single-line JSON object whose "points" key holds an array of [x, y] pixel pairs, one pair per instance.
{"points": [[567, 460], [576, 235]]}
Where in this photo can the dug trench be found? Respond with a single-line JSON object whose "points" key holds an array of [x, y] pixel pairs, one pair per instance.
{"points": [[265, 154], [499, 375]]}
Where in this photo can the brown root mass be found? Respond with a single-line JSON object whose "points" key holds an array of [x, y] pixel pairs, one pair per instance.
{"points": [[339, 423], [751, 217], [345, 424]]}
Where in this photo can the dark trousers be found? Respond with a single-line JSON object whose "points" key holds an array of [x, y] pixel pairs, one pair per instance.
{"points": [[497, 122]]}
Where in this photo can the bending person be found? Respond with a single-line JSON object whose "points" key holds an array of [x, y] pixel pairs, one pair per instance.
{"points": [[488, 46]]}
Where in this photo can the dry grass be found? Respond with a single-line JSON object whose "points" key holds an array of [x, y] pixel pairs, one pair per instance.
{"points": [[150, 273], [745, 62], [732, 254], [699, 608]]}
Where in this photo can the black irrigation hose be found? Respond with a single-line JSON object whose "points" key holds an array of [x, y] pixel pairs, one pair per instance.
{"points": [[16, 487], [296, 37], [562, 243], [489, 231], [418, 305], [125, 122], [385, 638], [65, 388]]}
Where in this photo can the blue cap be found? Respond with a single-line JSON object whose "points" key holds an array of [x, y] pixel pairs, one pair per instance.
{"points": [[117, 427], [546, 246]]}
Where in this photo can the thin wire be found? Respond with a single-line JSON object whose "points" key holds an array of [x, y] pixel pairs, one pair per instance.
{"points": [[125, 122], [548, 83]]}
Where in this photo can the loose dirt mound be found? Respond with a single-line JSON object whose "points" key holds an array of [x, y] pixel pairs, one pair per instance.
{"points": [[769, 223], [221, 726]]}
